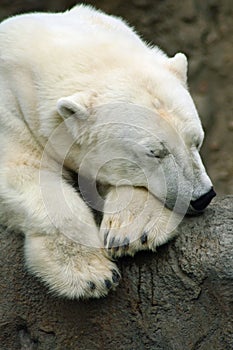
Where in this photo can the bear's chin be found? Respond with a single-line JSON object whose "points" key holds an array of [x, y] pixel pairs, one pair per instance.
{"points": [[193, 212], [184, 210]]}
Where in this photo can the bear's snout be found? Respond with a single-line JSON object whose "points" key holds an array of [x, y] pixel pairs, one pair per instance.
{"points": [[202, 202]]}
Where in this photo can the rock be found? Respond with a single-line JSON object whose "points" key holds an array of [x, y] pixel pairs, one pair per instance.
{"points": [[195, 66], [141, 3], [205, 109], [176, 299], [230, 125], [214, 146], [188, 11]]}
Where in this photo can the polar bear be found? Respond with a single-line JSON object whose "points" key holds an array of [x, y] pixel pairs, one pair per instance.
{"points": [[82, 96]]}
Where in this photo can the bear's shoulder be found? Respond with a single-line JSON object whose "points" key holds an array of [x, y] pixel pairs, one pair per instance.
{"points": [[80, 20]]}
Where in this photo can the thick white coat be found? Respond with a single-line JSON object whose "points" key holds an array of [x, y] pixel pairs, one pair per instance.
{"points": [[81, 91]]}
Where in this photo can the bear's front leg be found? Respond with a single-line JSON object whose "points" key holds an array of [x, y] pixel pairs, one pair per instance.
{"points": [[70, 269], [62, 244], [135, 220]]}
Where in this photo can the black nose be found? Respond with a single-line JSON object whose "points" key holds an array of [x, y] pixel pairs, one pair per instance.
{"points": [[202, 202]]}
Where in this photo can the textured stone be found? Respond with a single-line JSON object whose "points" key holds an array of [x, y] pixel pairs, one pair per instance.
{"points": [[176, 299], [205, 110], [202, 30]]}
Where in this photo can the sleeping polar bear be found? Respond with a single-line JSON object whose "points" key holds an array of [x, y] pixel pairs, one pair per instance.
{"points": [[81, 93]]}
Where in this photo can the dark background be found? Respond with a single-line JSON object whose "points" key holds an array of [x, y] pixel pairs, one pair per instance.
{"points": [[203, 30]]}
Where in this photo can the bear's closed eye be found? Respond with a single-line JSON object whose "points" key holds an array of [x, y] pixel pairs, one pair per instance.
{"points": [[153, 154], [159, 154]]}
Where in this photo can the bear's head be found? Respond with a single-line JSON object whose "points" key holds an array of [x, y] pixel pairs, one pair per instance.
{"points": [[142, 128]]}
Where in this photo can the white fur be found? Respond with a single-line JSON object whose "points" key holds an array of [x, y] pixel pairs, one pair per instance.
{"points": [[81, 91]]}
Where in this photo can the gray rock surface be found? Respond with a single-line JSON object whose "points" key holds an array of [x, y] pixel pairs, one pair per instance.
{"points": [[179, 298]]}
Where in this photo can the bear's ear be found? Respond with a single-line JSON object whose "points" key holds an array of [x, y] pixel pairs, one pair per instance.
{"points": [[74, 105], [179, 65]]}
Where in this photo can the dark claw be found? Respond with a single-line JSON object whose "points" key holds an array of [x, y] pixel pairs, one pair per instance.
{"points": [[116, 249], [106, 237], [115, 276], [92, 285], [125, 244], [108, 284], [111, 243], [144, 238], [117, 244]]}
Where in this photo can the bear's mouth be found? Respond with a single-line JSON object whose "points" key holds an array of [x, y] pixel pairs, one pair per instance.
{"points": [[193, 212]]}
